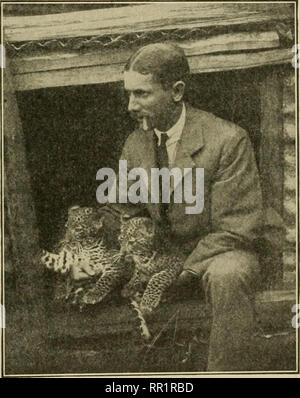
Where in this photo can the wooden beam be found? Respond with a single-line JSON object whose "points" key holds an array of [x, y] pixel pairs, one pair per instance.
{"points": [[272, 161], [271, 148], [142, 18], [97, 74], [220, 43]]}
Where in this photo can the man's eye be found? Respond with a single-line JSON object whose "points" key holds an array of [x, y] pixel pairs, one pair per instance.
{"points": [[141, 94]]}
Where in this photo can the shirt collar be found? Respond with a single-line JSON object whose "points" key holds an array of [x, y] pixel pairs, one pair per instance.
{"points": [[174, 133]]}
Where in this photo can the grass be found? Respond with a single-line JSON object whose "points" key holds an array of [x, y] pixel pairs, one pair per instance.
{"points": [[31, 349]]}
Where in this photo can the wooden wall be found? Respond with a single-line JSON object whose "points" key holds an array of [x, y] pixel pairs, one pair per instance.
{"points": [[91, 46], [290, 181]]}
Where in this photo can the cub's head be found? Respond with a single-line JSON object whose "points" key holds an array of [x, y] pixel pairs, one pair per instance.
{"points": [[137, 235], [83, 222]]}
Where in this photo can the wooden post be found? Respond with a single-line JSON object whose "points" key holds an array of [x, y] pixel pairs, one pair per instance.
{"points": [[20, 214], [271, 149], [272, 161]]}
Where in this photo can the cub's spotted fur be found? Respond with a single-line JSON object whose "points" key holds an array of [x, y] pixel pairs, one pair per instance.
{"points": [[154, 266], [83, 243], [157, 265]]}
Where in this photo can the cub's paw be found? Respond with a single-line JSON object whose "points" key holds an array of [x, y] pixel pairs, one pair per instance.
{"points": [[146, 311], [127, 292], [138, 297], [91, 297], [131, 290]]}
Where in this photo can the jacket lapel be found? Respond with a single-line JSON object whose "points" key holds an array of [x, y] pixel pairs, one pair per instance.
{"points": [[148, 155], [190, 143]]}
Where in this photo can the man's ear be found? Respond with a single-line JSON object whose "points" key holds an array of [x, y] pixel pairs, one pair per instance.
{"points": [[178, 90]]}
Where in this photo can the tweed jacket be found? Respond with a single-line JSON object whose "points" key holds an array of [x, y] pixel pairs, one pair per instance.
{"points": [[232, 215]]}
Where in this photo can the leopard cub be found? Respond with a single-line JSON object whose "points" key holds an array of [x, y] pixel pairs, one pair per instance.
{"points": [[83, 243], [156, 266]]}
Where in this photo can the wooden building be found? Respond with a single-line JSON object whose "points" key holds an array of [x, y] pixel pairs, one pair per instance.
{"points": [[63, 78]]}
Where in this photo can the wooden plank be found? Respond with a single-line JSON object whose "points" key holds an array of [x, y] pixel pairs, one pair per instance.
{"points": [[107, 339], [14, 9], [219, 43], [274, 296], [70, 77], [97, 74], [231, 42], [142, 17], [273, 308], [216, 63]]}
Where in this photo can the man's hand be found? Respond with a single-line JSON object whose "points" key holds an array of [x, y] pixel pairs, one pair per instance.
{"points": [[81, 271], [185, 278], [183, 284]]}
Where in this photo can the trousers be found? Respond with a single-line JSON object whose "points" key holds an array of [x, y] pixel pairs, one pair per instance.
{"points": [[229, 282]]}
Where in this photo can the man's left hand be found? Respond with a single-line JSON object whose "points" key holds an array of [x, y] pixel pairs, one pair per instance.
{"points": [[185, 278]]}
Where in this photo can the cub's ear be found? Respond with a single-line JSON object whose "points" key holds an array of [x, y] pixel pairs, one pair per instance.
{"points": [[100, 222], [70, 209], [125, 217]]}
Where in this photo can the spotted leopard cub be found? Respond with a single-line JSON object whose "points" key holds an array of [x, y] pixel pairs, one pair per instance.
{"points": [[83, 243], [155, 265], [137, 229]]}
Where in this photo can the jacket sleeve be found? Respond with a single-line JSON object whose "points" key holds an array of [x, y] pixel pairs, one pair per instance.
{"points": [[235, 204]]}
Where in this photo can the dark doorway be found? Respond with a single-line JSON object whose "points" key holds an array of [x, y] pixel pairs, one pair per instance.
{"points": [[232, 96], [71, 132]]}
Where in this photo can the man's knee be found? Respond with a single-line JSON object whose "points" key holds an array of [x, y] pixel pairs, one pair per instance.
{"points": [[232, 268], [228, 272]]}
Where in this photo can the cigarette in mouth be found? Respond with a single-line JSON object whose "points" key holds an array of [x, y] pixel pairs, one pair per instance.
{"points": [[145, 124]]}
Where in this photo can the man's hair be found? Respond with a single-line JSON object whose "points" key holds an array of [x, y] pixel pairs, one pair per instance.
{"points": [[165, 61]]}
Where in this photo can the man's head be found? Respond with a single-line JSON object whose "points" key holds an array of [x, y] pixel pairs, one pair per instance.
{"points": [[155, 79]]}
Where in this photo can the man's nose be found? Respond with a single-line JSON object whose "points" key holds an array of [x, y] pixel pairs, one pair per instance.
{"points": [[133, 105]]}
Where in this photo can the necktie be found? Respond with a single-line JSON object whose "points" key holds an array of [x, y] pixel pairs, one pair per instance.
{"points": [[162, 153], [162, 161]]}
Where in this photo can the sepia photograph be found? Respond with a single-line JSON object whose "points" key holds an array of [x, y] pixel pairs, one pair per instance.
{"points": [[149, 190]]}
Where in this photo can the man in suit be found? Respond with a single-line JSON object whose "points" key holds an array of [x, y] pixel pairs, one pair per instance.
{"points": [[218, 242]]}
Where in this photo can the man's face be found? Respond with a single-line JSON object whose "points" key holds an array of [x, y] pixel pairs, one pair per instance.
{"points": [[148, 99]]}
